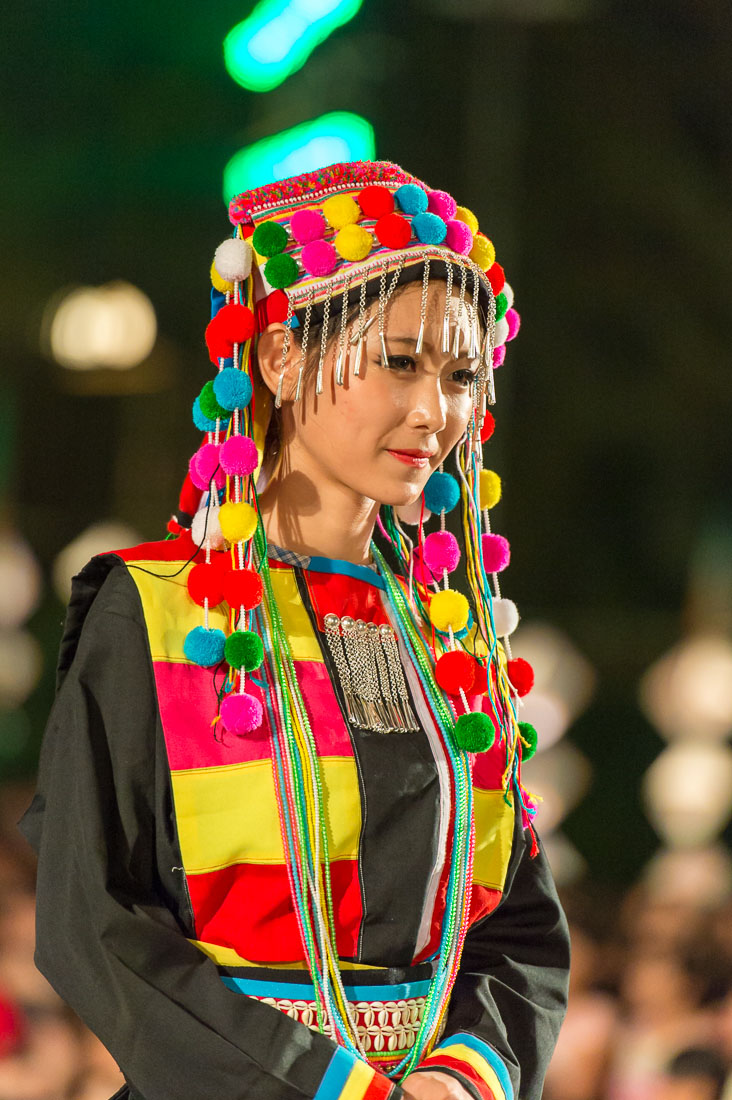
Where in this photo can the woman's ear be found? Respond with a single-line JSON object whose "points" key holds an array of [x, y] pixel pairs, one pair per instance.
{"points": [[269, 359]]}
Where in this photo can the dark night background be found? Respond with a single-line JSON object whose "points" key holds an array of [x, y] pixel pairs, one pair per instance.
{"points": [[593, 141]]}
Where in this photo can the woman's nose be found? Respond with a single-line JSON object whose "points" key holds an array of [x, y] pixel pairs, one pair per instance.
{"points": [[428, 410]]}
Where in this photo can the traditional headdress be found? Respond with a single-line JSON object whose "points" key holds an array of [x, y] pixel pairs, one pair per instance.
{"points": [[303, 252]]}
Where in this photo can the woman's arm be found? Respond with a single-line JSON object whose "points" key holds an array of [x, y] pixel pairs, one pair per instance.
{"points": [[110, 937], [510, 996]]}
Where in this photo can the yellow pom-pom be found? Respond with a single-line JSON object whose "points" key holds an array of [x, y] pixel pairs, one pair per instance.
{"points": [[464, 215], [449, 609], [340, 210], [490, 488], [222, 285], [353, 242], [483, 253], [238, 522]]}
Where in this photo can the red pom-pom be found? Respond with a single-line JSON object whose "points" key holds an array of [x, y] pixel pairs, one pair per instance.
{"points": [[243, 588], [455, 670], [205, 583], [276, 307], [393, 231], [480, 683], [521, 675], [233, 324], [489, 425], [496, 277], [375, 201]]}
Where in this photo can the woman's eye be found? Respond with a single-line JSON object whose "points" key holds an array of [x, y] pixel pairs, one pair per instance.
{"points": [[464, 377], [401, 362]]}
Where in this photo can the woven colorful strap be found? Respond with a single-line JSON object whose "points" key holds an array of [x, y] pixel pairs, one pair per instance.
{"points": [[474, 1063], [349, 1078]]}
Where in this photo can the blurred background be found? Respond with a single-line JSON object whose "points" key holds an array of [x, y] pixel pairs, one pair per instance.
{"points": [[592, 138]]}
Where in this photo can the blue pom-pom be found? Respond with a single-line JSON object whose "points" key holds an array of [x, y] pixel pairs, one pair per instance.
{"points": [[203, 423], [411, 198], [441, 493], [430, 228], [232, 388], [204, 647]]}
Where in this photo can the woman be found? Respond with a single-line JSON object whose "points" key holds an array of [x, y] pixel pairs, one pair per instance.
{"points": [[284, 850]]}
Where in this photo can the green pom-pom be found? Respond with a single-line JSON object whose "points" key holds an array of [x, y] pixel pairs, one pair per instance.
{"points": [[269, 238], [281, 271], [530, 738], [208, 404], [244, 649], [474, 732], [501, 306]]}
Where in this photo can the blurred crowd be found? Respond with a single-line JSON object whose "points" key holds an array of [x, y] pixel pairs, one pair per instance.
{"points": [[650, 1010]]}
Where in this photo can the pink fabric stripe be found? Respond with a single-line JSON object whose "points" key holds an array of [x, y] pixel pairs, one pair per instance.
{"points": [[188, 705]]}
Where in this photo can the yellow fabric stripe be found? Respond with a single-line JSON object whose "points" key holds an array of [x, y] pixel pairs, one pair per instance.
{"points": [[229, 814], [493, 837], [227, 956], [295, 620], [169, 611], [358, 1081], [480, 1065]]}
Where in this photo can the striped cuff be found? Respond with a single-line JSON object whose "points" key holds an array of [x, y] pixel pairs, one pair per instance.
{"points": [[476, 1061], [348, 1078]]}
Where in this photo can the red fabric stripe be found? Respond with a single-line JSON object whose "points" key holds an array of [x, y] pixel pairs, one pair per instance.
{"points": [[438, 1059], [177, 549], [248, 907], [344, 595], [379, 1089]]}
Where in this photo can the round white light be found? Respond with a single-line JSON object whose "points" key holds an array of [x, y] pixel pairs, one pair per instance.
{"points": [[688, 792], [20, 580], [97, 539], [111, 326], [688, 691]]}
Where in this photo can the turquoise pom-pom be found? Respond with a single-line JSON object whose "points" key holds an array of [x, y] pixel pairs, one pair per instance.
{"points": [[531, 737], [474, 732], [441, 493], [203, 423], [204, 647], [429, 228], [411, 198], [232, 388]]}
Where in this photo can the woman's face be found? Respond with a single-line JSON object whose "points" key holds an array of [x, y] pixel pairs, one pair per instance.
{"points": [[384, 432]]}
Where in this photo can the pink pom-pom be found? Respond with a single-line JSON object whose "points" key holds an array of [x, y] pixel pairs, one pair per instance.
{"points": [[422, 571], [239, 456], [513, 320], [459, 238], [442, 204], [499, 354], [307, 225], [241, 713], [496, 553], [441, 552], [203, 464], [319, 258]]}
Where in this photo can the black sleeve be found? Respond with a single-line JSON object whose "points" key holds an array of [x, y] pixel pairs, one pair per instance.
{"points": [[110, 937], [511, 991]]}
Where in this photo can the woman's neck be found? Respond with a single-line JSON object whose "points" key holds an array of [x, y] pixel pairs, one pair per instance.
{"points": [[317, 517]]}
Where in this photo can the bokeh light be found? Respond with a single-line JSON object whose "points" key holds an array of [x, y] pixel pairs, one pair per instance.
{"points": [[688, 691], [20, 580], [97, 539], [688, 792], [111, 326]]}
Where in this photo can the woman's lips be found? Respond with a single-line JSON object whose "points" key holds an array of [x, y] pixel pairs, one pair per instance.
{"points": [[412, 458]]}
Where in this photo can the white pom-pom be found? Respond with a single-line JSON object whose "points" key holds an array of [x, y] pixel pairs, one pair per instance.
{"points": [[208, 528], [501, 332], [410, 513], [505, 617], [507, 289], [233, 259]]}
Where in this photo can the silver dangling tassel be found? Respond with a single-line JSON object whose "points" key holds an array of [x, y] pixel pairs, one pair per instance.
{"points": [[361, 329], [338, 653], [446, 317], [491, 386], [474, 350], [461, 306], [323, 345], [423, 305], [340, 367], [304, 345], [382, 314], [399, 684], [286, 337]]}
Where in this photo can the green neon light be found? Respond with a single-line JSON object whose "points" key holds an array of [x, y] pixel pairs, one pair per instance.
{"points": [[339, 136], [278, 36]]}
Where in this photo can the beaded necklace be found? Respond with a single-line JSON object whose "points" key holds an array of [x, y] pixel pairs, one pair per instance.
{"points": [[302, 820]]}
